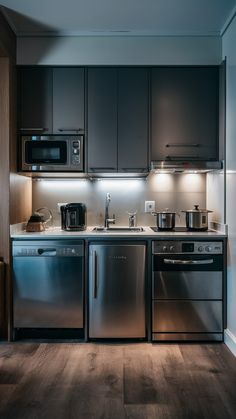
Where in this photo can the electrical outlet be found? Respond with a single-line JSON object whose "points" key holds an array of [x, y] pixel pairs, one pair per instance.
{"points": [[59, 204], [149, 206]]}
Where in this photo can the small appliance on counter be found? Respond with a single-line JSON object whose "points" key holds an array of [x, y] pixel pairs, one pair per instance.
{"points": [[39, 221], [73, 217]]}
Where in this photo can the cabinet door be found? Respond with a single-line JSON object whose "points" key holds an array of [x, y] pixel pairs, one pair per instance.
{"points": [[35, 102], [132, 119], [102, 120], [68, 100], [117, 290], [184, 113]]}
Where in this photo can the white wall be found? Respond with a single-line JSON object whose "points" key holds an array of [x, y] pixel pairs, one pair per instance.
{"points": [[119, 50], [229, 50], [215, 193]]}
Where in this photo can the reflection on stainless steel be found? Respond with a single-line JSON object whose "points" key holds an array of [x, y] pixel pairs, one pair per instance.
{"points": [[171, 285], [117, 290], [48, 284], [187, 316], [187, 290], [118, 229], [188, 262]]}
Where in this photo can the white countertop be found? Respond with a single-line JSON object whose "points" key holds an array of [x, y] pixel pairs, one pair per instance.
{"points": [[56, 232]]}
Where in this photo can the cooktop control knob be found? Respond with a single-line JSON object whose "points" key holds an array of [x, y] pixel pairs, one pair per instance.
{"points": [[208, 248], [200, 249], [172, 248], [164, 248]]}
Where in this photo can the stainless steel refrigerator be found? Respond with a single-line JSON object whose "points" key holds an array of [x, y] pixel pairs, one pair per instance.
{"points": [[117, 290]]}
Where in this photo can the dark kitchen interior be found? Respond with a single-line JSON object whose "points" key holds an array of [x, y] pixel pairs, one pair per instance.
{"points": [[117, 167]]}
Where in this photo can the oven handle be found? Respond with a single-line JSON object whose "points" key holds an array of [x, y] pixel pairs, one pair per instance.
{"points": [[188, 262]]}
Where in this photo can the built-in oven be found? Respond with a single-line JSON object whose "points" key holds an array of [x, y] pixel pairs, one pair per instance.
{"points": [[51, 153], [187, 290]]}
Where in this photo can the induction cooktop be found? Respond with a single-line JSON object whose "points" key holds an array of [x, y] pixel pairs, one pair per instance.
{"points": [[177, 229]]}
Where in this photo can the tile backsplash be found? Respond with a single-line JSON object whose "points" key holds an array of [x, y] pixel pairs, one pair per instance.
{"points": [[176, 192]]}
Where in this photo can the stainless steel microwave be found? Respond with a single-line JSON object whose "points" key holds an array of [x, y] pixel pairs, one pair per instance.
{"points": [[52, 153]]}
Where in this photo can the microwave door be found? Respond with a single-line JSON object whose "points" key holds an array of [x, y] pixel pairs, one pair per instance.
{"points": [[52, 153], [45, 153]]}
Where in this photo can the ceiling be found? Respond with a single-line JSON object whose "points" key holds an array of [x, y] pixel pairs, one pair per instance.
{"points": [[118, 17]]}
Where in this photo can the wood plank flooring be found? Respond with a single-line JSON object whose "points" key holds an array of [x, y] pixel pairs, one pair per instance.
{"points": [[115, 381]]}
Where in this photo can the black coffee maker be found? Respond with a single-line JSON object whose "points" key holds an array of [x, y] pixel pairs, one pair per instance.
{"points": [[73, 217]]}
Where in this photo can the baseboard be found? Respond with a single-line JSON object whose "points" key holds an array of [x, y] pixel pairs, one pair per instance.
{"points": [[230, 341]]}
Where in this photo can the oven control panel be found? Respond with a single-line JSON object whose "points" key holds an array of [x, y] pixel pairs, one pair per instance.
{"points": [[187, 247]]}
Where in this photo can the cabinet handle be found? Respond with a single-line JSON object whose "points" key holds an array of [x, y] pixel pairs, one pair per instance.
{"points": [[70, 129], [34, 129], [94, 270], [182, 145], [188, 262], [196, 157], [101, 168], [134, 169]]}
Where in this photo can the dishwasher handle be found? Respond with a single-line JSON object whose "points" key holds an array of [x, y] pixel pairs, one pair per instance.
{"points": [[47, 251], [188, 262]]}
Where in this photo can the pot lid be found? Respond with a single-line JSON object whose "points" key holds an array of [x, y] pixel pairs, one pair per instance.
{"points": [[197, 209]]}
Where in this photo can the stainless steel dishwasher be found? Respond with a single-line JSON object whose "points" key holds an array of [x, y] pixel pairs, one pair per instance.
{"points": [[48, 282], [117, 290]]}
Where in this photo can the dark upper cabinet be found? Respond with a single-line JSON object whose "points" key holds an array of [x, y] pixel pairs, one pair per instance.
{"points": [[51, 99], [68, 100], [133, 119], [185, 112], [35, 99], [102, 119], [117, 119]]}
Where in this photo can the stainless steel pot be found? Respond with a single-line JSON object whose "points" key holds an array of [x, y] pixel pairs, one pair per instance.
{"points": [[197, 219], [165, 219]]}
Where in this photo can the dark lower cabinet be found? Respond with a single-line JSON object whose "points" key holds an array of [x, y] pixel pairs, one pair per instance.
{"points": [[117, 119], [185, 113]]}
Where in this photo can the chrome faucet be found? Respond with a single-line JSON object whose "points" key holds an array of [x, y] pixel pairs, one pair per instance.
{"points": [[108, 220]]}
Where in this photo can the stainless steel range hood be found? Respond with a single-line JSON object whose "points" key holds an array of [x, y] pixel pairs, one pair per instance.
{"points": [[178, 166]]}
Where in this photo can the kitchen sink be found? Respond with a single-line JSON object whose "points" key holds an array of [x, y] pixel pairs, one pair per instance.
{"points": [[118, 229]]}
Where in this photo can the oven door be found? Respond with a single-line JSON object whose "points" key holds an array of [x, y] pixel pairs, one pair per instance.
{"points": [[187, 297]]}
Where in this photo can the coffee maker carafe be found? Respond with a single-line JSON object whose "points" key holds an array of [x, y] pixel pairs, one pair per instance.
{"points": [[73, 217]]}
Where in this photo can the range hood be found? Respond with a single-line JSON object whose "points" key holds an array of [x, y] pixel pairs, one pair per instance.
{"points": [[178, 166]]}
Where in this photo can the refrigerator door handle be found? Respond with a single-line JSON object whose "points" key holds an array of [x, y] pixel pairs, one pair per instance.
{"points": [[94, 271]]}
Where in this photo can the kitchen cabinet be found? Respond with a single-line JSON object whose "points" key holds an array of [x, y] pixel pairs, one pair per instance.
{"points": [[117, 290], [68, 100], [51, 100], [35, 99], [117, 120], [102, 119], [184, 116]]}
